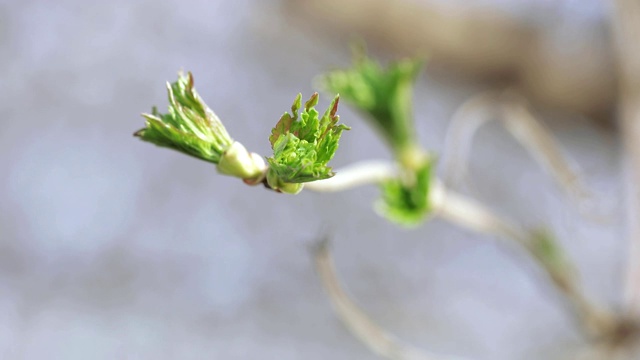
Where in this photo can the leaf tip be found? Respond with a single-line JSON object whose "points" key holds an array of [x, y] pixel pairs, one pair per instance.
{"points": [[334, 108], [313, 101]]}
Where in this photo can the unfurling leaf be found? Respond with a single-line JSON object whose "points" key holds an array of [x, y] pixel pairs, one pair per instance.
{"points": [[303, 143], [405, 200], [383, 94], [190, 126]]}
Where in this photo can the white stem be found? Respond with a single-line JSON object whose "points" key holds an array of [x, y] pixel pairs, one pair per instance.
{"points": [[447, 204], [472, 215], [358, 174]]}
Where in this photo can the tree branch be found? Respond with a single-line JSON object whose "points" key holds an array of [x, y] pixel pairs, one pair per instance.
{"points": [[513, 112], [377, 339], [472, 215], [626, 29]]}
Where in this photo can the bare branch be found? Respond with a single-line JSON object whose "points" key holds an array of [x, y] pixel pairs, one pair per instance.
{"points": [[516, 117], [626, 29], [377, 339], [544, 148], [464, 124], [472, 215]]}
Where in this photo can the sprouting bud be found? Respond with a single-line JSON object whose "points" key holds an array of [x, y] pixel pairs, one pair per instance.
{"points": [[303, 143], [239, 162], [405, 199], [280, 186], [384, 94], [190, 126]]}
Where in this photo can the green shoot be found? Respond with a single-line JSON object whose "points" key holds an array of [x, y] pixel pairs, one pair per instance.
{"points": [[405, 200], [192, 128], [383, 94], [303, 143], [189, 127]]}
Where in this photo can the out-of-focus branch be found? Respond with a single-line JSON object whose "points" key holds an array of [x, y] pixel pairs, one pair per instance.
{"points": [[626, 26], [543, 147], [474, 216], [532, 134], [357, 321], [481, 43], [465, 123]]}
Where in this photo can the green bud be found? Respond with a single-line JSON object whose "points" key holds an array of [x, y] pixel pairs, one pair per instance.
{"points": [[383, 94], [238, 162], [278, 185], [190, 126], [405, 200], [303, 143]]}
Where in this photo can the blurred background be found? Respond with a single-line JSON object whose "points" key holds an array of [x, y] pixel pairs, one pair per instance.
{"points": [[114, 249]]}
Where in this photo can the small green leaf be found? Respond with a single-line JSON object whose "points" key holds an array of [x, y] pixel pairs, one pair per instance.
{"points": [[190, 126], [284, 124], [383, 94], [405, 200], [282, 127], [304, 143]]}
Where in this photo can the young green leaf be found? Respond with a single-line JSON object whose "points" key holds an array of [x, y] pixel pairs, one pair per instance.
{"points": [[190, 126], [405, 200], [303, 143], [384, 94]]}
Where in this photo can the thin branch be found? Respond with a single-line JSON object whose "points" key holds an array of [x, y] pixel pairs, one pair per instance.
{"points": [[464, 124], [545, 149], [377, 339], [472, 215], [358, 174], [536, 138], [626, 29]]}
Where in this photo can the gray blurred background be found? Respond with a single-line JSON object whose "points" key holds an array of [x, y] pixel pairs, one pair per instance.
{"points": [[114, 249]]}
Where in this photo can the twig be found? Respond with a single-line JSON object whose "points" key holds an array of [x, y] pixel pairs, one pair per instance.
{"points": [[465, 122], [377, 339], [358, 174], [516, 117], [626, 29], [472, 215]]}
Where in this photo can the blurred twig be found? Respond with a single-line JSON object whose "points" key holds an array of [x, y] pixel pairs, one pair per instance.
{"points": [[514, 113], [359, 323], [473, 215], [626, 26]]}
